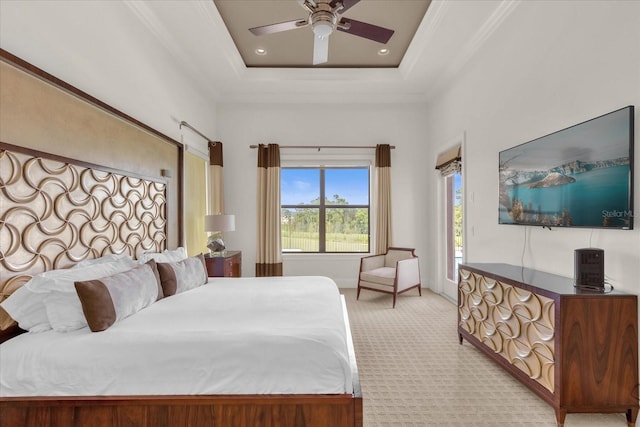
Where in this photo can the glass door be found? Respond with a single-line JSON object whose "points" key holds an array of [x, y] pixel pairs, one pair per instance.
{"points": [[454, 235]]}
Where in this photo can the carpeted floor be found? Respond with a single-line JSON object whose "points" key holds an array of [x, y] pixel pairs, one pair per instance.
{"points": [[413, 372]]}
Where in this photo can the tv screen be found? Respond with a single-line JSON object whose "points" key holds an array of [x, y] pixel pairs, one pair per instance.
{"points": [[581, 176]]}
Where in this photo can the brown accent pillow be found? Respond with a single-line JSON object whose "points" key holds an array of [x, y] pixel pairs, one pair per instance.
{"points": [[180, 276], [154, 269], [168, 279], [112, 298], [97, 304]]}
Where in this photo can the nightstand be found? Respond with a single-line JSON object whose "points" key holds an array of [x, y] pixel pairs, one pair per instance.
{"points": [[224, 264]]}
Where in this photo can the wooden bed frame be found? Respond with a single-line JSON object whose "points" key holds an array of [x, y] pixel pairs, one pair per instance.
{"points": [[286, 410], [308, 410], [294, 410]]}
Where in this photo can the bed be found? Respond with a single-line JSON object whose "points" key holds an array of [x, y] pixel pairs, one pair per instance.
{"points": [[231, 352]]}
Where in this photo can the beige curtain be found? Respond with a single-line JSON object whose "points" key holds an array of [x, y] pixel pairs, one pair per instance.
{"points": [[216, 178], [383, 197], [269, 247], [195, 203]]}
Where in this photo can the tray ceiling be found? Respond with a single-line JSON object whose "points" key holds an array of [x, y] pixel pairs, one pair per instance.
{"points": [[294, 48]]}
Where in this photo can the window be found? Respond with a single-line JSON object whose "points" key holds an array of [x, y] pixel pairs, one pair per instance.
{"points": [[453, 185], [325, 209]]}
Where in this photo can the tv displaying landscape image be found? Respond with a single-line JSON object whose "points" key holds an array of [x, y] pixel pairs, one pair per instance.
{"points": [[581, 176]]}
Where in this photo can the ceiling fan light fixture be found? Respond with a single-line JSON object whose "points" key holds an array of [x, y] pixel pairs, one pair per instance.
{"points": [[323, 22], [322, 29]]}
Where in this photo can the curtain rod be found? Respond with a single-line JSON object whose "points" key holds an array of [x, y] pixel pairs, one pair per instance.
{"points": [[318, 147], [185, 124]]}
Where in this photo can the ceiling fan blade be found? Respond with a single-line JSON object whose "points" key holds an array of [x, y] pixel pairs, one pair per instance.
{"points": [[368, 31], [279, 27], [347, 4], [320, 50]]}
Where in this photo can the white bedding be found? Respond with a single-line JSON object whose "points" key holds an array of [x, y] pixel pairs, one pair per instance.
{"points": [[231, 336]]}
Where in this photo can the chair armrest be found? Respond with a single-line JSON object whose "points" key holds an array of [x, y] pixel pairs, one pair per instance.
{"points": [[408, 273], [371, 262]]}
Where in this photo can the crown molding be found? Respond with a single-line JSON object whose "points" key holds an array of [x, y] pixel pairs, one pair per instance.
{"points": [[471, 48], [424, 36], [221, 34], [503, 10], [151, 21]]}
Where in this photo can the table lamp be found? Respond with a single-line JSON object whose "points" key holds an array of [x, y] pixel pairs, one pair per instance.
{"points": [[216, 224]]}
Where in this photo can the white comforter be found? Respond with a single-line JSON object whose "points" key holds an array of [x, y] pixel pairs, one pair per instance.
{"points": [[230, 336]]}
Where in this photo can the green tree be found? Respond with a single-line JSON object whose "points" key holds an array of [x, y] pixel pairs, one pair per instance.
{"points": [[457, 219], [345, 226]]}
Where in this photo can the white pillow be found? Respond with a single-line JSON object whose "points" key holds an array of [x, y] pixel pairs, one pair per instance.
{"points": [[62, 280], [101, 260], [181, 276], [113, 298], [64, 311], [167, 256], [27, 309], [27, 304]]}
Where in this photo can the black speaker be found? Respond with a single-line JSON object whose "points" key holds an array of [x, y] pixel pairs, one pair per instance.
{"points": [[589, 267]]}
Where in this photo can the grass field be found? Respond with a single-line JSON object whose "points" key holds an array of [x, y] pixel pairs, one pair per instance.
{"points": [[336, 242]]}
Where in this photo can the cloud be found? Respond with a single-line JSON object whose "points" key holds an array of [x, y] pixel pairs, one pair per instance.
{"points": [[301, 185]]}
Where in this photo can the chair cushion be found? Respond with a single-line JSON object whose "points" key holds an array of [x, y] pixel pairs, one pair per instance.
{"points": [[383, 275], [393, 256]]}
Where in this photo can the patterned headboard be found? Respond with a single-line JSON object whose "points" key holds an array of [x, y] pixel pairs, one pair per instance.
{"points": [[55, 212]]}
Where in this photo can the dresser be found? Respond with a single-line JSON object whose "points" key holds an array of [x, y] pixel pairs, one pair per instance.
{"points": [[224, 264], [578, 350]]}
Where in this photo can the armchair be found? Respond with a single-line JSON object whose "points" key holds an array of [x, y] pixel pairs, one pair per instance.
{"points": [[395, 272]]}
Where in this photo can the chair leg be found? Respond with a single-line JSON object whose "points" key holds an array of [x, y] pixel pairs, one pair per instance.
{"points": [[420, 290], [394, 299], [358, 294]]}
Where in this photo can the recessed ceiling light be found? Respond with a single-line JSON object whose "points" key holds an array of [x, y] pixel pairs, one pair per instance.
{"points": [[261, 51], [383, 52]]}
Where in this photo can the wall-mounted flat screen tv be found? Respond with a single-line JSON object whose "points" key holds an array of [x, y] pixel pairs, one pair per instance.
{"points": [[581, 176]]}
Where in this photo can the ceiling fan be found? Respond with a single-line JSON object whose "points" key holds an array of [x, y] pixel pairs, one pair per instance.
{"points": [[324, 17]]}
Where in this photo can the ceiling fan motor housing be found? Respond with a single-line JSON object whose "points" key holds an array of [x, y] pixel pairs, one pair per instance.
{"points": [[323, 20]]}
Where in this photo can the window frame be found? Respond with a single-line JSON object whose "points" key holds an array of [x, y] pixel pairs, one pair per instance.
{"points": [[323, 206]]}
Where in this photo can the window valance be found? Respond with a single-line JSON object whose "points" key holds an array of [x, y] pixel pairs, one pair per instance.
{"points": [[450, 161]]}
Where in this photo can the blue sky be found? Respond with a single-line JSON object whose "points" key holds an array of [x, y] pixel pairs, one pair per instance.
{"points": [[303, 185], [457, 184]]}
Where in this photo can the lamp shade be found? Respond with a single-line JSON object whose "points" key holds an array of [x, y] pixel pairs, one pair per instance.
{"points": [[219, 222]]}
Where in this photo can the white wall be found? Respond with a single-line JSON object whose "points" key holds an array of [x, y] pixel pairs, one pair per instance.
{"points": [[551, 65], [121, 53], [324, 124]]}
